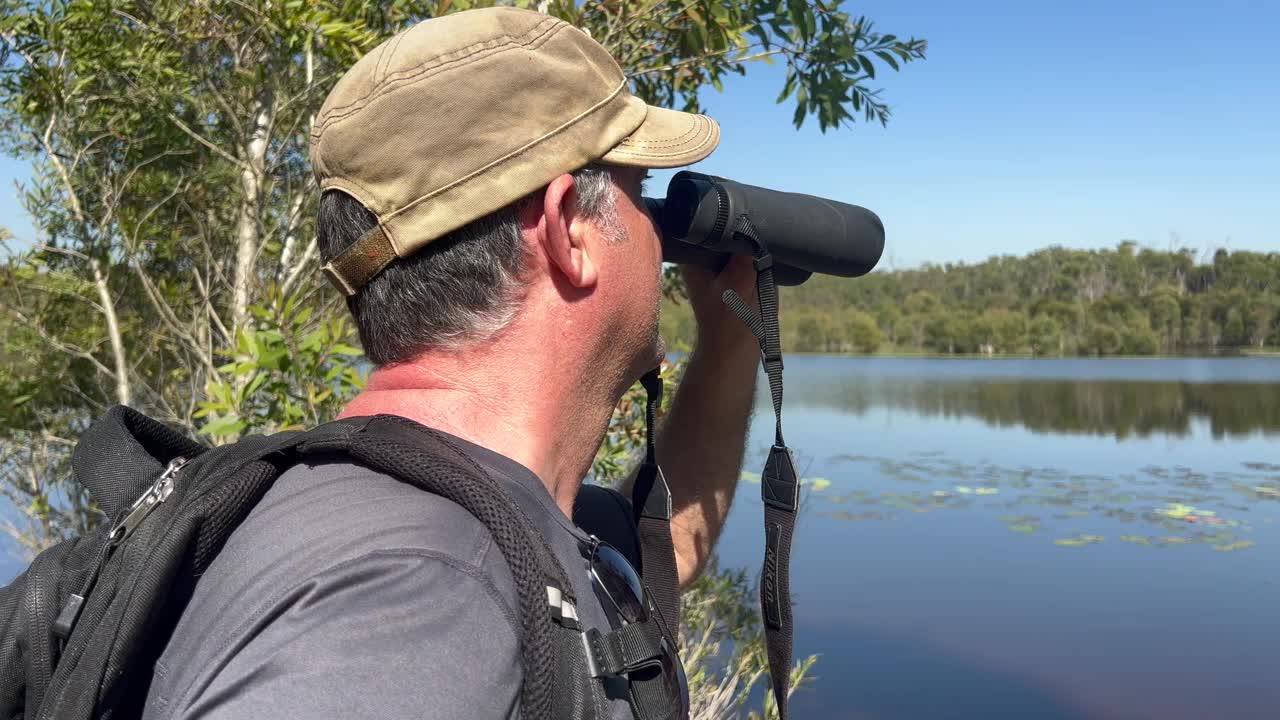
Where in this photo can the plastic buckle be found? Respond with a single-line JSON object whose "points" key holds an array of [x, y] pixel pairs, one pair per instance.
{"points": [[764, 262], [779, 487], [657, 503], [68, 617]]}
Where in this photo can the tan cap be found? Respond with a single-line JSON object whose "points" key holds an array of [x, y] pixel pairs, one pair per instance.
{"points": [[459, 116]]}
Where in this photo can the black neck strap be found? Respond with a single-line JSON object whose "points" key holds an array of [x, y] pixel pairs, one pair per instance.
{"points": [[780, 487], [635, 649], [651, 503]]}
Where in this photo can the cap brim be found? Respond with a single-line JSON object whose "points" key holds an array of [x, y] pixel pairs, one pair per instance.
{"points": [[666, 139]]}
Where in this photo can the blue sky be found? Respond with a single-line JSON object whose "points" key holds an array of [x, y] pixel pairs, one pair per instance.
{"points": [[1031, 123]]}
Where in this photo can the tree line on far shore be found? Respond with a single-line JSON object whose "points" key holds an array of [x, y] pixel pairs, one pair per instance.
{"points": [[1052, 302]]}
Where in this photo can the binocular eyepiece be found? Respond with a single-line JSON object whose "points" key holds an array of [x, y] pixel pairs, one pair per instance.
{"points": [[805, 234]]}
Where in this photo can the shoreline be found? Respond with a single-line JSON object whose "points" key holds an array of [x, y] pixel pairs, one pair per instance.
{"points": [[906, 355]]}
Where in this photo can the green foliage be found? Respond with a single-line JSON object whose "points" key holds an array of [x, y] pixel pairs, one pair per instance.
{"points": [[287, 373], [673, 48], [175, 268], [723, 650], [1053, 302]]}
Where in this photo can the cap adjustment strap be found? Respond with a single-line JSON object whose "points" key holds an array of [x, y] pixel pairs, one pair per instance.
{"points": [[363, 259]]}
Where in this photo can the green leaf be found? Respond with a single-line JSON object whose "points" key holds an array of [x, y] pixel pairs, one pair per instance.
{"points": [[788, 87], [798, 118], [275, 360], [346, 350], [867, 67], [887, 58], [230, 425]]}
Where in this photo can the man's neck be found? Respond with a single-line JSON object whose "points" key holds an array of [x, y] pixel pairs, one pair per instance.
{"points": [[524, 403]]}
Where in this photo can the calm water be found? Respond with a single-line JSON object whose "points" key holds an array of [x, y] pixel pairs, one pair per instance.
{"points": [[1032, 538], [1056, 539]]}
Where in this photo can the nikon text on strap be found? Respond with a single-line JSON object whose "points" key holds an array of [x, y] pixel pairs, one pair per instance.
{"points": [[779, 486]]}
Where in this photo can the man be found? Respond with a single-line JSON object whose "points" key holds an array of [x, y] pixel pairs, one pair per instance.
{"points": [[482, 177]]}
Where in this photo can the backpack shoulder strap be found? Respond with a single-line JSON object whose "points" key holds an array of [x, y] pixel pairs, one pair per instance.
{"points": [[139, 586], [430, 460]]}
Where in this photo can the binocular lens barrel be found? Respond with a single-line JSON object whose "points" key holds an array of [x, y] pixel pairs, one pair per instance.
{"points": [[805, 234]]}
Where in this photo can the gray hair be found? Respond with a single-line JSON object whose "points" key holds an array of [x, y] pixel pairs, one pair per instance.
{"points": [[460, 289]]}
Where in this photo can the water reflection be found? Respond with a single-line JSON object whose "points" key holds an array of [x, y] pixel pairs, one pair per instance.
{"points": [[1011, 556], [1121, 409]]}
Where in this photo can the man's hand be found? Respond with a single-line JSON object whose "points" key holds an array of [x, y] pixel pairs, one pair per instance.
{"points": [[718, 327], [703, 437]]}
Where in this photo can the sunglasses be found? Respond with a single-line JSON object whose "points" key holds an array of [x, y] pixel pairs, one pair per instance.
{"points": [[621, 584]]}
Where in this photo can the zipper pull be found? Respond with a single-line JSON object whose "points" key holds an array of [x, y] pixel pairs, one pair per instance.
{"points": [[156, 494], [159, 491]]}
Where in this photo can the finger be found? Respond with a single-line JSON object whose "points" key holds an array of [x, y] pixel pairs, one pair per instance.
{"points": [[739, 275], [697, 276]]}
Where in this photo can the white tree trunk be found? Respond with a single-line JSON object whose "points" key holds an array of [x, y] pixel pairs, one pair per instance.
{"points": [[287, 257], [124, 393], [248, 228]]}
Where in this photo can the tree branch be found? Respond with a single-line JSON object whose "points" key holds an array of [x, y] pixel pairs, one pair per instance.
{"points": [[208, 303], [123, 391], [308, 256], [708, 56], [248, 233], [205, 142]]}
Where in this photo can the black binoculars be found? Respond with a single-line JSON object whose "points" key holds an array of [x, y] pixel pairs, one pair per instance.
{"points": [[804, 234]]}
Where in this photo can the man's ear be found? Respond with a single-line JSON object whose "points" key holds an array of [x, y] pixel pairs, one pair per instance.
{"points": [[561, 237]]}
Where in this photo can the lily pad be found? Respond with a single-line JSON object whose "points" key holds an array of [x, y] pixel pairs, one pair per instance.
{"points": [[1079, 540], [986, 491], [819, 484], [1237, 545], [1136, 539], [751, 477]]}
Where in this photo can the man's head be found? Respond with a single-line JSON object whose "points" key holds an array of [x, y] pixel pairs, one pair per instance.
{"points": [[468, 286], [487, 163]]}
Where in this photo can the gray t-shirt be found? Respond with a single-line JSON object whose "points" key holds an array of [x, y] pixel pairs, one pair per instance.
{"points": [[347, 594]]}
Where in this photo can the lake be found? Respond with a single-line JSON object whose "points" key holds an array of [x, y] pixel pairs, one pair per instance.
{"points": [[1056, 539], [1040, 539]]}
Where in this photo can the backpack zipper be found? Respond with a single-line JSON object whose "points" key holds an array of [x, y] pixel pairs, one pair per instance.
{"points": [[159, 491], [150, 500]]}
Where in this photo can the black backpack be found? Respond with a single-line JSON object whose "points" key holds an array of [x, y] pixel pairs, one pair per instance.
{"points": [[84, 625]]}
